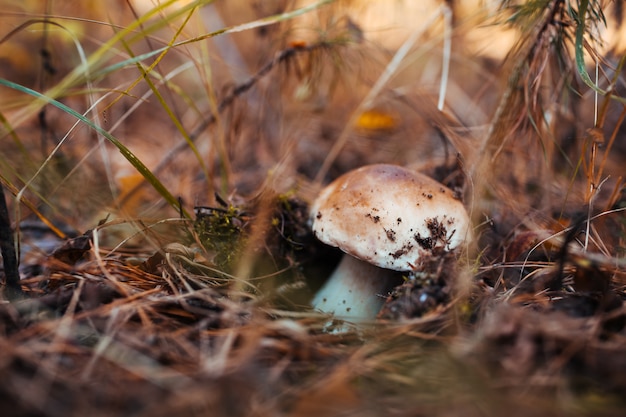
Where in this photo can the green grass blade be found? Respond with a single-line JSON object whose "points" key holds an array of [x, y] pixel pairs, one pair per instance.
{"points": [[145, 75], [130, 157], [580, 53]]}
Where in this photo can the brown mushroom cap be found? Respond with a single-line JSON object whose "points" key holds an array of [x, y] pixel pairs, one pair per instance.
{"points": [[389, 216]]}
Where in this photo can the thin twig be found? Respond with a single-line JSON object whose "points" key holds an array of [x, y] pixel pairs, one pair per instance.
{"points": [[9, 256], [226, 102]]}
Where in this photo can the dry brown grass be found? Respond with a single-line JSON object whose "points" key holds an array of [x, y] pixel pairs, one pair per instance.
{"points": [[151, 312]]}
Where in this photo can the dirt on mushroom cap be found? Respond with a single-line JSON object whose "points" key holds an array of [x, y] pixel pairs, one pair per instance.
{"points": [[389, 216]]}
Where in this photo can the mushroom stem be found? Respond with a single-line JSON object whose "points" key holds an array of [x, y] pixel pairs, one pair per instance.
{"points": [[355, 291]]}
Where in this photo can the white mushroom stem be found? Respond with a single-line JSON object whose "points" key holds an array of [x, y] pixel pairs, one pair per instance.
{"points": [[355, 291]]}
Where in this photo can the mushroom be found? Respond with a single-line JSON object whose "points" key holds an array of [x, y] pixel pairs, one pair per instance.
{"points": [[385, 218]]}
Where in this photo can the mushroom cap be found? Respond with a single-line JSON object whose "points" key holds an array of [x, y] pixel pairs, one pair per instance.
{"points": [[389, 216]]}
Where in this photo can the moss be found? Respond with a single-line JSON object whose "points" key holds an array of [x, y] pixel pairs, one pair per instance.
{"points": [[221, 231]]}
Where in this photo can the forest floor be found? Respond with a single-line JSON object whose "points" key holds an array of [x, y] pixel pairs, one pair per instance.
{"points": [[160, 188]]}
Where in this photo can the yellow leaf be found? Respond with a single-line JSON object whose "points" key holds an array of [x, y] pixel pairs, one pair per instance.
{"points": [[376, 120]]}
